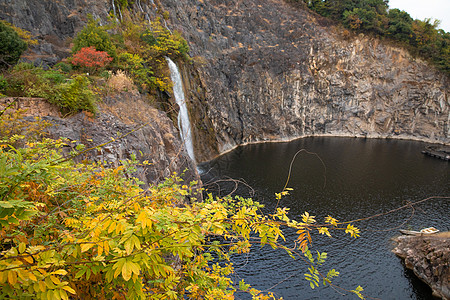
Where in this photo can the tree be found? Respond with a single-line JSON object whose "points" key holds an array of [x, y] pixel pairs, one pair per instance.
{"points": [[91, 59], [11, 46], [400, 25], [94, 36], [426, 37]]}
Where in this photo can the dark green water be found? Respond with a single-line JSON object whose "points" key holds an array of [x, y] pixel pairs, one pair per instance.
{"points": [[361, 178]]}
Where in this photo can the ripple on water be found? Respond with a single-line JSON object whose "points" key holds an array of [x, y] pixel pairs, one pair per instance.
{"points": [[361, 178]]}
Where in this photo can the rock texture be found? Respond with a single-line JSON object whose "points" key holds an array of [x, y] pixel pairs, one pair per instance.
{"points": [[429, 258], [139, 130], [53, 23], [273, 72]]}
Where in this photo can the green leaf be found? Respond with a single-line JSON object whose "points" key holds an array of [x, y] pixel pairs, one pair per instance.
{"points": [[243, 286]]}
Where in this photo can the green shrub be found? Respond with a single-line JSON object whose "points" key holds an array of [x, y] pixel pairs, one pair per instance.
{"points": [[71, 95], [94, 36], [105, 74], [27, 80], [148, 37], [54, 76], [23, 66], [63, 67], [11, 46], [3, 83], [163, 43], [74, 96], [135, 66]]}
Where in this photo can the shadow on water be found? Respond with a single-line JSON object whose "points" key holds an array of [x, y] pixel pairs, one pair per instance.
{"points": [[361, 178]]}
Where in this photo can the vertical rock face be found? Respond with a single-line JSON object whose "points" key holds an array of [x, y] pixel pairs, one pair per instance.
{"points": [[53, 23], [273, 72], [138, 129], [269, 70]]}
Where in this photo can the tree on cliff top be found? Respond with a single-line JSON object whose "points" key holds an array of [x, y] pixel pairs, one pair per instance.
{"points": [[11, 46]]}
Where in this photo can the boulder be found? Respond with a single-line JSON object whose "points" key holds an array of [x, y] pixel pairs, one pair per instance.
{"points": [[429, 258]]}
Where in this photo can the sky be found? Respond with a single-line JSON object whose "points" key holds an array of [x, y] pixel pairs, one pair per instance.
{"points": [[421, 9]]}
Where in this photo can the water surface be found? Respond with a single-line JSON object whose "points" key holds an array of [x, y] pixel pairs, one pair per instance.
{"points": [[348, 179]]}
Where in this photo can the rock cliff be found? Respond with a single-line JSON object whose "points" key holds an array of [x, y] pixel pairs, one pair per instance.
{"points": [[53, 23], [271, 70], [138, 129], [429, 258]]}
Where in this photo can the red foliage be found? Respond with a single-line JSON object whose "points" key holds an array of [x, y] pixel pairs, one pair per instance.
{"points": [[90, 58]]}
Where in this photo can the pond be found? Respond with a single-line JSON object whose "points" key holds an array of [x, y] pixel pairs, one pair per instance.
{"points": [[347, 178]]}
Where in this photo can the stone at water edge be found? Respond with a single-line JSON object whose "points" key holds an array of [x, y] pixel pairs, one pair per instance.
{"points": [[429, 257]]}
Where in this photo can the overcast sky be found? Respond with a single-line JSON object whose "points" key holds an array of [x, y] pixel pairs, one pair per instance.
{"points": [[421, 9]]}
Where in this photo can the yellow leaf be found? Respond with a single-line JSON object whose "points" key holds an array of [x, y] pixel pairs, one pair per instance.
{"points": [[324, 230], [86, 247], [69, 289], [118, 266], [60, 272], [12, 277], [54, 294], [23, 274], [100, 249], [112, 227], [106, 247], [129, 246], [42, 286], [49, 283], [3, 277], [142, 219], [32, 276], [55, 279], [126, 271], [22, 247], [64, 295], [331, 220], [28, 259], [134, 267]]}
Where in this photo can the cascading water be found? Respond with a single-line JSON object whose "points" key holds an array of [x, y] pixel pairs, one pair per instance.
{"points": [[183, 117]]}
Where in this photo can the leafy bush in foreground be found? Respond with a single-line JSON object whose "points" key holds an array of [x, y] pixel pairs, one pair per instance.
{"points": [[82, 230]]}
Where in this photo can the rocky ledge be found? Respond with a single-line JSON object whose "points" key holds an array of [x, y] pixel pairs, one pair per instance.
{"points": [[138, 130], [428, 256]]}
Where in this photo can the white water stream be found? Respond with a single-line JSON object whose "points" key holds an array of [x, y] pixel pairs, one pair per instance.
{"points": [[183, 117]]}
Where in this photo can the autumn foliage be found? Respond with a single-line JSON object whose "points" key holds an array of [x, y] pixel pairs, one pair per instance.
{"points": [[84, 231], [91, 59]]}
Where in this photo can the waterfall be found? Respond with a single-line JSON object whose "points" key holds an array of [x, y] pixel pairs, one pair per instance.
{"points": [[167, 27], [183, 118], [144, 12], [114, 10]]}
